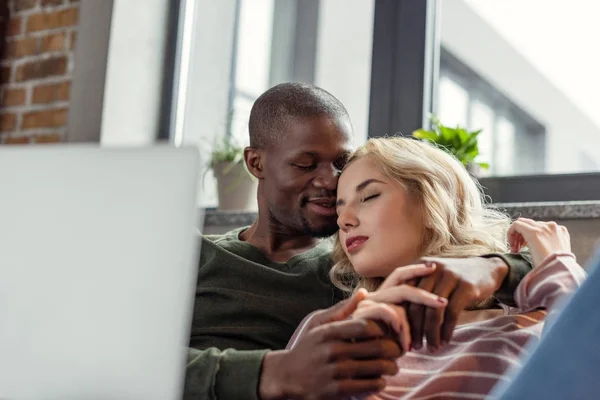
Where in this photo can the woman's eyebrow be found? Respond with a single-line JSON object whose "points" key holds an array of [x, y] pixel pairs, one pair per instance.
{"points": [[359, 188], [366, 183]]}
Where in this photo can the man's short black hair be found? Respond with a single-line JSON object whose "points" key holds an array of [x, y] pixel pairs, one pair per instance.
{"points": [[278, 106]]}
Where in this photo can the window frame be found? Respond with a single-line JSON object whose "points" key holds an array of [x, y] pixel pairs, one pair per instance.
{"points": [[400, 88]]}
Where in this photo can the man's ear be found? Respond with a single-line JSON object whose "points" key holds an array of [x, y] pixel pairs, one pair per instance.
{"points": [[254, 161]]}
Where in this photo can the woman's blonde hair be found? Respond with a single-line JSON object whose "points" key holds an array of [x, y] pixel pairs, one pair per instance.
{"points": [[456, 220]]}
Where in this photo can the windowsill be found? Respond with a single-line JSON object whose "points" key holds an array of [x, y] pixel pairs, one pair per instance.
{"points": [[559, 210]]}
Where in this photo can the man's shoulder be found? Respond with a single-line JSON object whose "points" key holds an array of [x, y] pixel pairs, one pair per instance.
{"points": [[231, 236], [220, 246]]}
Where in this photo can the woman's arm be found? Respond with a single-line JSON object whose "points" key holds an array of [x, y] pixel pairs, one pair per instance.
{"points": [[555, 271], [557, 275]]}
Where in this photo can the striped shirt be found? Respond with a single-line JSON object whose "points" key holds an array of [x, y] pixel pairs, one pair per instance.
{"points": [[480, 353]]}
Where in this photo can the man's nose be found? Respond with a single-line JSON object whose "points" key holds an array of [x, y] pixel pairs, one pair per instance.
{"points": [[327, 178]]}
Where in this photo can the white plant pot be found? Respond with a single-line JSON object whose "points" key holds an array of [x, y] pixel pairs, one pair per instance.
{"points": [[236, 187]]}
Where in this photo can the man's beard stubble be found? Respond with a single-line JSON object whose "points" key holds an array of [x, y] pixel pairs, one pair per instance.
{"points": [[305, 226]]}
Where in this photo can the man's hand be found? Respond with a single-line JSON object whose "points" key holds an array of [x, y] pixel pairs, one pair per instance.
{"points": [[464, 282], [335, 360], [337, 357]]}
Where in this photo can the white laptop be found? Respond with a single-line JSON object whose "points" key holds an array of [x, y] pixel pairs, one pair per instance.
{"points": [[98, 264]]}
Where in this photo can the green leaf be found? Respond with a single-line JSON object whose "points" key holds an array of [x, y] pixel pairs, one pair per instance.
{"points": [[425, 135], [457, 141], [463, 135], [448, 134]]}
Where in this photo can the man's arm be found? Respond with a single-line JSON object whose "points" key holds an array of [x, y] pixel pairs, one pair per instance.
{"points": [[464, 282], [519, 265], [228, 374], [325, 362]]}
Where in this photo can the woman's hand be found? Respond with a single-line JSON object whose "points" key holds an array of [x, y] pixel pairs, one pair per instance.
{"points": [[390, 316], [542, 238], [387, 304]]}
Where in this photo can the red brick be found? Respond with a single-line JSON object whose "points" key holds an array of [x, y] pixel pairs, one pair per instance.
{"points": [[47, 138], [45, 118], [52, 20], [51, 92], [8, 122], [73, 40], [21, 47], [22, 5], [53, 42], [42, 68], [46, 3], [5, 75], [13, 97], [14, 27], [18, 140]]}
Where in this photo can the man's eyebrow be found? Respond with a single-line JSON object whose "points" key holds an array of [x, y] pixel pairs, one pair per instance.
{"points": [[359, 188], [305, 153]]}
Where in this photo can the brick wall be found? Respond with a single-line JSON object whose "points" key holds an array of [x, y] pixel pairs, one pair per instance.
{"points": [[36, 68]]}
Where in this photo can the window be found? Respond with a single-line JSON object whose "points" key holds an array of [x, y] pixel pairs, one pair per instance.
{"points": [[537, 80], [509, 138], [243, 47]]}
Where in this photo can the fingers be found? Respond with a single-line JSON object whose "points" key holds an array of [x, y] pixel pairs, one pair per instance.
{"points": [[458, 301], [349, 306], [392, 315], [402, 274], [434, 318], [353, 329], [364, 369], [379, 311], [373, 349], [405, 293], [542, 238], [416, 314]]}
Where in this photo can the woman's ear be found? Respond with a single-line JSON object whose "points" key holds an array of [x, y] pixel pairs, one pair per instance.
{"points": [[254, 162]]}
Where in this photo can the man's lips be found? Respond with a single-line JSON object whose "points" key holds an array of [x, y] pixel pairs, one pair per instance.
{"points": [[354, 243], [324, 206]]}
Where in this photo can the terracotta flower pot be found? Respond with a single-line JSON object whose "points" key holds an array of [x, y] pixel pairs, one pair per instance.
{"points": [[236, 187]]}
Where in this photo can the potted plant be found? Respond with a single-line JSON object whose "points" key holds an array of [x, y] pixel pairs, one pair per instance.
{"points": [[235, 186], [459, 142]]}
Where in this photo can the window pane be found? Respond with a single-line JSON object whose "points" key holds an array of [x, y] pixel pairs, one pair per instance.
{"points": [[454, 103], [482, 117], [253, 58], [239, 119], [542, 80], [505, 145]]}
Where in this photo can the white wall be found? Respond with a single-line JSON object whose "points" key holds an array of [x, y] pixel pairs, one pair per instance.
{"points": [[208, 82], [343, 63], [570, 132], [132, 91]]}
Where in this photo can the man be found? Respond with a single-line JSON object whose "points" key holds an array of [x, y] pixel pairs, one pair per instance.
{"points": [[256, 284]]}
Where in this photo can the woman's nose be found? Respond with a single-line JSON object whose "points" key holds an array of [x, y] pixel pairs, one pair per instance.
{"points": [[347, 219]]}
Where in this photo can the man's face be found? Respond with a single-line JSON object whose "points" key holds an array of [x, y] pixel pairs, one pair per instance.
{"points": [[301, 174]]}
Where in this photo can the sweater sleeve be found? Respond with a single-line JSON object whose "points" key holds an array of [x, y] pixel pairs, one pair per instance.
{"points": [[519, 265], [223, 374], [556, 276]]}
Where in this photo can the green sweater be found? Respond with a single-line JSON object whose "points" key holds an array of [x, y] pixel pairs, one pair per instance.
{"points": [[246, 305]]}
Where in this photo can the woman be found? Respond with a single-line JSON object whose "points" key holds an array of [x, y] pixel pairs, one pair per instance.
{"points": [[398, 190]]}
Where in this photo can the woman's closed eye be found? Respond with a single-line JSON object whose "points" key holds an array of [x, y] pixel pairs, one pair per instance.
{"points": [[370, 197]]}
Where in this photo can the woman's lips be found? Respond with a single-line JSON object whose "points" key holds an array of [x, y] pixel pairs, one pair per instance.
{"points": [[354, 243]]}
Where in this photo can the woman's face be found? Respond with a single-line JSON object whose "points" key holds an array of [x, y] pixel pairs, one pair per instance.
{"points": [[380, 223]]}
